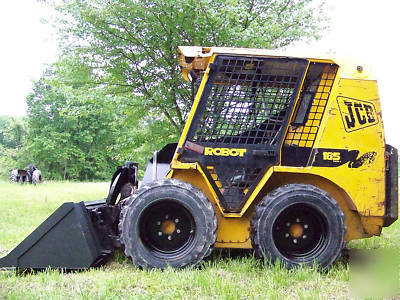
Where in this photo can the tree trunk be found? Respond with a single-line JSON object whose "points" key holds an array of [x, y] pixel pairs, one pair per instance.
{"points": [[65, 170]]}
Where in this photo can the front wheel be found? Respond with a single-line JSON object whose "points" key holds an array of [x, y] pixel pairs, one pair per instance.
{"points": [[167, 223], [298, 224]]}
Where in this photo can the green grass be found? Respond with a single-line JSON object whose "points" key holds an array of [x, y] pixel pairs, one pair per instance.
{"points": [[223, 276]]}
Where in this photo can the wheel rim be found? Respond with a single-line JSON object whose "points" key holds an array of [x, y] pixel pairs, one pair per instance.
{"points": [[167, 229], [300, 233]]}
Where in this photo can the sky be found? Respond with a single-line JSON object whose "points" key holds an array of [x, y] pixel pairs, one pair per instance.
{"points": [[363, 29], [368, 31], [26, 46]]}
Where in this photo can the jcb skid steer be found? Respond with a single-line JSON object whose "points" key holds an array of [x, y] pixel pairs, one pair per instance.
{"points": [[282, 154]]}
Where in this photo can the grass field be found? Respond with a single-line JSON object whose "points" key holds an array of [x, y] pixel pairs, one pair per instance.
{"points": [[223, 276]]}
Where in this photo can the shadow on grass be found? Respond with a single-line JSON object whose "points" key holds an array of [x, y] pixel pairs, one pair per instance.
{"points": [[228, 254]]}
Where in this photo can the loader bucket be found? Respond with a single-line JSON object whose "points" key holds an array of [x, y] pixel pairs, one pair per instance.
{"points": [[67, 239]]}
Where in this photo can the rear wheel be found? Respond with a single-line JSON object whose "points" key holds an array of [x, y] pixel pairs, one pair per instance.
{"points": [[298, 224], [168, 223]]}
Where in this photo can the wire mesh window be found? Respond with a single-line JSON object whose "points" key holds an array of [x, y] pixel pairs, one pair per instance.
{"points": [[318, 81], [249, 100]]}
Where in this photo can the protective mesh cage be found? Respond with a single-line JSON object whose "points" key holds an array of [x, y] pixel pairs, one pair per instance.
{"points": [[318, 81], [248, 101], [246, 104]]}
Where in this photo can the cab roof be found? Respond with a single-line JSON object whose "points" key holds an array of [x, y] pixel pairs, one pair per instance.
{"points": [[197, 58]]}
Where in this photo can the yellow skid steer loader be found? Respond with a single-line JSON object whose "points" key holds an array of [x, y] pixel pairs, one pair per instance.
{"points": [[283, 154]]}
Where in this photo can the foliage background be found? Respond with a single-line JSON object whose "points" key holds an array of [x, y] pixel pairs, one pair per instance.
{"points": [[116, 92], [13, 133]]}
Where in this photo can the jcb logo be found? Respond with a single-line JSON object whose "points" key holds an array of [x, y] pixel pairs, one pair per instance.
{"points": [[224, 151], [333, 156], [356, 114]]}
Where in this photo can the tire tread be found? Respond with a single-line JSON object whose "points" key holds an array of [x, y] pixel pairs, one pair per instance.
{"points": [[283, 191], [198, 254]]}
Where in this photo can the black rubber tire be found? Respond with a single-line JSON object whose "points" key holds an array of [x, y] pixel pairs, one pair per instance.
{"points": [[327, 228], [138, 209]]}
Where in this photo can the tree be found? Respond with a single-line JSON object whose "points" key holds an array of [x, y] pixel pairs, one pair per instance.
{"points": [[131, 46], [117, 92], [71, 134], [13, 133]]}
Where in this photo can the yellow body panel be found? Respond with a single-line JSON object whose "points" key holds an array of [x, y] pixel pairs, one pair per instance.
{"points": [[233, 229], [349, 120], [364, 185]]}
